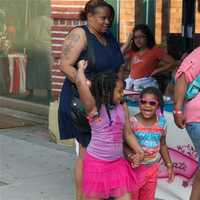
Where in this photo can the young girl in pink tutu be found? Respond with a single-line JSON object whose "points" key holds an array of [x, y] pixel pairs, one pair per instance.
{"points": [[149, 127], [105, 170]]}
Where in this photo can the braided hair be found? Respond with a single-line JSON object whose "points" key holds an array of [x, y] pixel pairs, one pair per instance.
{"points": [[103, 85], [157, 93]]}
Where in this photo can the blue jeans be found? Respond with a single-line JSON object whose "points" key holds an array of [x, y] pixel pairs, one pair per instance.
{"points": [[193, 129]]}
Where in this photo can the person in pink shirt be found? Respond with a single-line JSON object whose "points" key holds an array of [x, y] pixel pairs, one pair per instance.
{"points": [[187, 113], [106, 173]]}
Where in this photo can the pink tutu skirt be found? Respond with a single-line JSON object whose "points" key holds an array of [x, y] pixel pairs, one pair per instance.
{"points": [[104, 179]]}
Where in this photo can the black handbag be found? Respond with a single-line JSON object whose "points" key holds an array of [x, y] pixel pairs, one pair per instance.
{"points": [[77, 110]]}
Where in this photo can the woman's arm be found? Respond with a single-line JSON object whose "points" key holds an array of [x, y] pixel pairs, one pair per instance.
{"points": [[74, 44], [83, 86], [169, 64], [166, 158], [179, 93], [129, 136]]}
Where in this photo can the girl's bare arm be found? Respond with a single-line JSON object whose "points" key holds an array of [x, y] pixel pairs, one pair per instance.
{"points": [[83, 86], [129, 136], [164, 151], [166, 158], [169, 64]]}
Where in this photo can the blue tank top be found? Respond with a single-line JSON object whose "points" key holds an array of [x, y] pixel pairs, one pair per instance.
{"points": [[107, 58]]}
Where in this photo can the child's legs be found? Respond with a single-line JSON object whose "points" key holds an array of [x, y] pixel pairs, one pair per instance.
{"points": [[148, 190], [90, 198], [126, 196], [135, 195], [148, 187], [78, 172]]}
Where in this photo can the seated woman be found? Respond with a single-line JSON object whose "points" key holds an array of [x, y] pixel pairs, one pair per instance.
{"points": [[144, 58]]}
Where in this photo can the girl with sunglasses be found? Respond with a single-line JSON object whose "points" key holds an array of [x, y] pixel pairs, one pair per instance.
{"points": [[149, 127]]}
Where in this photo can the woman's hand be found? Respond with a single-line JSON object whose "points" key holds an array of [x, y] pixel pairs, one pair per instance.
{"points": [[179, 93], [179, 119]]}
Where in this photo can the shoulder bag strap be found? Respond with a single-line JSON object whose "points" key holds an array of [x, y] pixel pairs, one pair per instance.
{"points": [[90, 50]]}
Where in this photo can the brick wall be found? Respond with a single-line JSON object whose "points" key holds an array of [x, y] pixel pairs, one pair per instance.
{"points": [[127, 18], [197, 17], [175, 16], [158, 21], [65, 14]]}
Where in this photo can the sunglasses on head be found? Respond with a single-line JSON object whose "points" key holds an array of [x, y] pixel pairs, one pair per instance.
{"points": [[150, 102]]}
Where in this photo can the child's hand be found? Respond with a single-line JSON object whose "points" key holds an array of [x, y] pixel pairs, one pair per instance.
{"points": [[80, 76], [155, 72], [134, 159], [130, 37], [171, 175], [82, 64]]}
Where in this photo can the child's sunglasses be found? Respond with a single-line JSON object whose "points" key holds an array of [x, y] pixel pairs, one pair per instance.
{"points": [[150, 102]]}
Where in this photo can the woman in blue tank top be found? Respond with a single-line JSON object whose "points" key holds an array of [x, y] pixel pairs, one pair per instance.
{"points": [[108, 57]]}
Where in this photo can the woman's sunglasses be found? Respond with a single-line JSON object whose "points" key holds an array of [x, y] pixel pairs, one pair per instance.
{"points": [[150, 102]]}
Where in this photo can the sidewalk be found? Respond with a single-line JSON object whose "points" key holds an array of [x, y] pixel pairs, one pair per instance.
{"points": [[31, 166]]}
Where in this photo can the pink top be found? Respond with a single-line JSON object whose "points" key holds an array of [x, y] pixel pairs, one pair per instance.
{"points": [[106, 141], [191, 68]]}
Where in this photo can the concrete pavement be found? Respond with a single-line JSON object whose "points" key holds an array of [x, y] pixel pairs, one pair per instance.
{"points": [[31, 166]]}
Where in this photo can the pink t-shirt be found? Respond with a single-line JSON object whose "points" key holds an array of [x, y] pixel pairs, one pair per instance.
{"points": [[191, 69], [106, 140]]}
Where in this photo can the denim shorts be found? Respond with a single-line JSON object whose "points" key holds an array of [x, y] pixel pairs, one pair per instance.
{"points": [[193, 129]]}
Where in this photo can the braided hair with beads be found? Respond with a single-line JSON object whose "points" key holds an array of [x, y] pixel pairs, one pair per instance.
{"points": [[102, 89]]}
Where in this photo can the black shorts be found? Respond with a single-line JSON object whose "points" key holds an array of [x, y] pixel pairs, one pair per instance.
{"points": [[83, 138]]}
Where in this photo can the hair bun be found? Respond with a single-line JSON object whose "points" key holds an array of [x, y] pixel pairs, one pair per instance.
{"points": [[90, 7]]}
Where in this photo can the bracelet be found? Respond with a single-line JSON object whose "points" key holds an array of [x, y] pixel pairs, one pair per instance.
{"points": [[169, 164], [177, 112]]}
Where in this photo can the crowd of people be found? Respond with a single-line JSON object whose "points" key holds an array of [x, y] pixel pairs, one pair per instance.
{"points": [[119, 155]]}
